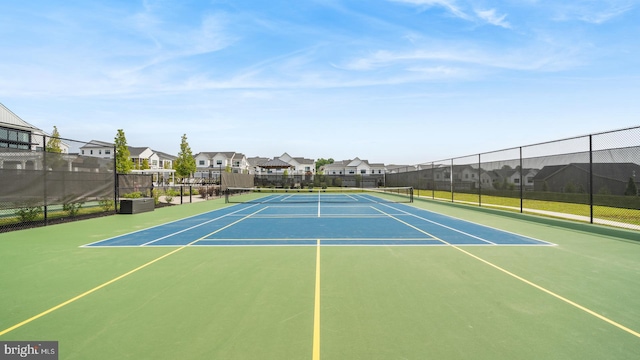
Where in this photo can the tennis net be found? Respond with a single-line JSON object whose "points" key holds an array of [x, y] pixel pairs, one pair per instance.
{"points": [[330, 195]]}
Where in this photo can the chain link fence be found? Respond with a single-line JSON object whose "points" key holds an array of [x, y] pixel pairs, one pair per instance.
{"points": [[41, 187], [593, 178], [318, 181]]}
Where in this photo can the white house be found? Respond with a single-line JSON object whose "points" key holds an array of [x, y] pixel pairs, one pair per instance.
{"points": [[299, 165], [98, 148], [254, 165], [155, 159], [208, 163], [16, 133], [353, 167], [18, 136]]}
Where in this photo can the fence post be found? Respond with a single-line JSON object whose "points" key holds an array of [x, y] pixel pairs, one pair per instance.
{"points": [[46, 172], [591, 179], [521, 183], [479, 180], [433, 180], [116, 186], [451, 180]]}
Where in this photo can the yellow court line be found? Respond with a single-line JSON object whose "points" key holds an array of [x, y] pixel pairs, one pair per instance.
{"points": [[46, 312], [316, 308], [557, 296]]}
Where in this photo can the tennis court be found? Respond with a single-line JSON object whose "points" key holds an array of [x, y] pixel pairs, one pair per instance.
{"points": [[359, 217], [322, 275]]}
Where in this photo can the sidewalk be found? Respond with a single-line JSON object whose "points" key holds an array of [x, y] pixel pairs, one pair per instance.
{"points": [[549, 213]]}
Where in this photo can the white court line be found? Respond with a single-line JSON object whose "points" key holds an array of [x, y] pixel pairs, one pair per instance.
{"points": [[470, 222]]}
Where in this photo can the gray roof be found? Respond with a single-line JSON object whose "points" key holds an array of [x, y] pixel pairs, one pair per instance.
{"points": [[227, 154], [616, 171], [98, 143], [303, 160], [135, 151], [164, 155], [256, 161], [275, 163]]}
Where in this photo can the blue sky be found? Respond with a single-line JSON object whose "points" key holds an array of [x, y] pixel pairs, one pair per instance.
{"points": [[393, 81]]}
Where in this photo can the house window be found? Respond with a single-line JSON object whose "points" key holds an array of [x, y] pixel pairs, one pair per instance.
{"points": [[107, 152], [236, 163], [307, 168], [201, 162], [91, 152], [516, 181], [82, 152], [100, 152], [218, 162], [363, 171], [15, 139]]}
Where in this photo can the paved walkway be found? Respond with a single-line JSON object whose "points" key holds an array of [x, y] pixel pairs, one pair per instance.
{"points": [[553, 214]]}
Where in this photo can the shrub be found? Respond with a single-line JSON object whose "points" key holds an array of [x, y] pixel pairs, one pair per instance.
{"points": [[171, 192], [133, 195], [72, 208], [28, 211], [156, 196], [106, 204]]}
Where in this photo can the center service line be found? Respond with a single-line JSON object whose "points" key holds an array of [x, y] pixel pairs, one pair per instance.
{"points": [[316, 308]]}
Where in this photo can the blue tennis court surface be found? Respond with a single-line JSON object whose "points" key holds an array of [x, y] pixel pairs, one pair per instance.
{"points": [[356, 223]]}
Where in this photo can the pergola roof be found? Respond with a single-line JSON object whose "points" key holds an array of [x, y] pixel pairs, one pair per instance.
{"points": [[275, 164]]}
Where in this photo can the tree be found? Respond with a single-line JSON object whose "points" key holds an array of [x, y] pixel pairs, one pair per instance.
{"points": [[55, 160], [123, 156], [185, 164], [321, 162], [53, 145], [145, 164]]}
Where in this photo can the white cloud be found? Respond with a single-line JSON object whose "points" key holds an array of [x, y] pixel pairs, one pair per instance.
{"points": [[492, 18], [592, 11], [449, 5]]}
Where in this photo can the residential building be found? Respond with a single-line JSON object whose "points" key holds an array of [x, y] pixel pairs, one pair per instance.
{"points": [[299, 165], [19, 138], [98, 148], [254, 165], [15, 133], [209, 163], [155, 159], [608, 178], [353, 167]]}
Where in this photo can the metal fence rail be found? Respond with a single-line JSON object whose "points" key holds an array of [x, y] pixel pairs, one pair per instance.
{"points": [[591, 178]]}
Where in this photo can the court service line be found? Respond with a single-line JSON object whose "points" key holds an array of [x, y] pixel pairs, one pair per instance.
{"points": [[316, 308], [470, 222], [444, 226], [530, 283], [196, 226], [103, 285]]}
